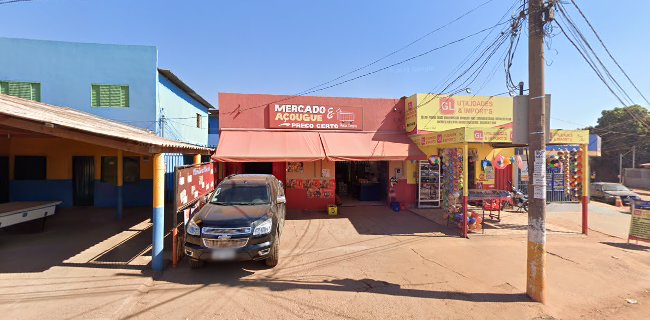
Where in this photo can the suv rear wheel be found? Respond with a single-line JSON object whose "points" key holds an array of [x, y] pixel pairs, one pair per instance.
{"points": [[274, 254]]}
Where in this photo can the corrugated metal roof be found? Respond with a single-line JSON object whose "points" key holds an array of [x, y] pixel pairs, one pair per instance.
{"points": [[51, 115]]}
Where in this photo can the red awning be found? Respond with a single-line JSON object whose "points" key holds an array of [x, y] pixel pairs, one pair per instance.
{"points": [[268, 146], [367, 146]]}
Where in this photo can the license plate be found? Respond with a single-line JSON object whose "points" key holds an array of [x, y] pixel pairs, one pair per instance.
{"points": [[223, 254]]}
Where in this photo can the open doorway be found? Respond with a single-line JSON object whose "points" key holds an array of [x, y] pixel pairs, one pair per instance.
{"points": [[361, 182], [258, 167]]}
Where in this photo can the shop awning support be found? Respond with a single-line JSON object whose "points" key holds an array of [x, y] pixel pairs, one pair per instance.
{"points": [[465, 187], [120, 183], [585, 189], [158, 216]]}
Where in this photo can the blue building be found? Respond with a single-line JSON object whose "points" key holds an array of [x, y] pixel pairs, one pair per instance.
{"points": [[117, 82], [213, 128]]}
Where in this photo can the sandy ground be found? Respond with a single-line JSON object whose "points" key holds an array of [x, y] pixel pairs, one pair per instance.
{"points": [[368, 263]]}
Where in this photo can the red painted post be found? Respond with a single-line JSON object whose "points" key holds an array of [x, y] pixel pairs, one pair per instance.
{"points": [[585, 215], [465, 215]]}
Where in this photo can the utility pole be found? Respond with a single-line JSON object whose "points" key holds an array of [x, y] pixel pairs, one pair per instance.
{"points": [[620, 168], [536, 257], [633, 157]]}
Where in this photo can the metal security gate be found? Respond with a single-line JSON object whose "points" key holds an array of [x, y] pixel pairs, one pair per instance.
{"points": [[556, 182]]}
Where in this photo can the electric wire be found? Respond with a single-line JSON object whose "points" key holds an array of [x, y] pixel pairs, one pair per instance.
{"points": [[609, 53], [578, 41], [376, 70]]}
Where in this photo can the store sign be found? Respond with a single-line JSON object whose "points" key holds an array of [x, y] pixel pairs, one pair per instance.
{"points": [[640, 221], [411, 114], [192, 183], [440, 113], [489, 135], [569, 136], [312, 117], [446, 137]]}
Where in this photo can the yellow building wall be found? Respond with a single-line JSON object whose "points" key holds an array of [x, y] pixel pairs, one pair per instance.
{"points": [[59, 153], [485, 151]]}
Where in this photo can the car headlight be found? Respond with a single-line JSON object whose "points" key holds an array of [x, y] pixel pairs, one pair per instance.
{"points": [[263, 228], [193, 228]]}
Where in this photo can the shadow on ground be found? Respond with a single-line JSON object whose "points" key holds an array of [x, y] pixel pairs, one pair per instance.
{"points": [[380, 220], [628, 246], [233, 275], [28, 248]]}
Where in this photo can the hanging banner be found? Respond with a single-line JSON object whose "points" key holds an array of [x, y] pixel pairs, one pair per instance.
{"points": [[298, 116], [640, 221], [436, 112], [193, 182]]}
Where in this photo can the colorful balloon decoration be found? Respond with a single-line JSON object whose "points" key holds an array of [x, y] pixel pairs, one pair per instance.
{"points": [[499, 162]]}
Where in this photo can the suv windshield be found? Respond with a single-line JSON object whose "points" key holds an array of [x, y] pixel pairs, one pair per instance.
{"points": [[241, 194], [614, 187]]}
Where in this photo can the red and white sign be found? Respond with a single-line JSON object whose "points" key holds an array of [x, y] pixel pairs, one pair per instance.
{"points": [[447, 106], [313, 117], [193, 182]]}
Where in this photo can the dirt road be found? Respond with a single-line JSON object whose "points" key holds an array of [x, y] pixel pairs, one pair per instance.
{"points": [[369, 263]]}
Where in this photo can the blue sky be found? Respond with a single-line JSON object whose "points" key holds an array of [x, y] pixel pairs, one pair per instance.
{"points": [[285, 47]]}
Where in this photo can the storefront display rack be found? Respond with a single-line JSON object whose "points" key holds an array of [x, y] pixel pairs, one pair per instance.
{"points": [[428, 185]]}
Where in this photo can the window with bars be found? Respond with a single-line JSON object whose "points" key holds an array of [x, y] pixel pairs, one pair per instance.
{"points": [[109, 96], [25, 90]]}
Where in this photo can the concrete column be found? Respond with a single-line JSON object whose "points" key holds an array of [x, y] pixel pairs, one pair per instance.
{"points": [[197, 158], [158, 216], [585, 188], [120, 183], [465, 187]]}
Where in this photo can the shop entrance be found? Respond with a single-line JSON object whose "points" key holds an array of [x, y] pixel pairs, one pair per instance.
{"points": [[258, 167], [361, 182]]}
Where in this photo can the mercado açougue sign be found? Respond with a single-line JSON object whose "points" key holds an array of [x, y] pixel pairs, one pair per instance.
{"points": [[313, 117]]}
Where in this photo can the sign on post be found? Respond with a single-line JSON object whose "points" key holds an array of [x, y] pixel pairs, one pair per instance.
{"points": [[640, 221], [191, 183]]}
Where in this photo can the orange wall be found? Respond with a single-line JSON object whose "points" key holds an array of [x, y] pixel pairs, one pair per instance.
{"points": [[297, 198], [59, 153]]}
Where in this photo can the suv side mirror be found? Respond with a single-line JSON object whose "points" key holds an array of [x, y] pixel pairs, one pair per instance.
{"points": [[281, 199]]}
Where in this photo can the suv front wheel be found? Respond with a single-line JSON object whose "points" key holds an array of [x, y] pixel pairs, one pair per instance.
{"points": [[274, 254]]}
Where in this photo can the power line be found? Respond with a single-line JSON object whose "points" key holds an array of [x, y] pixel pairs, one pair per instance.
{"points": [[577, 42], [378, 70], [478, 59], [396, 51], [609, 53], [483, 57], [12, 1]]}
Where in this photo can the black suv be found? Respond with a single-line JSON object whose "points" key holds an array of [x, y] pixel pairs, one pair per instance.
{"points": [[242, 221]]}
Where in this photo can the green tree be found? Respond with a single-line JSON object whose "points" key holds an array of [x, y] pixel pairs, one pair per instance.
{"points": [[620, 129]]}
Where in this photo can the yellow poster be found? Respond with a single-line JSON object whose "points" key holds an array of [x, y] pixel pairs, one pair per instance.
{"points": [[489, 135], [439, 138], [443, 112], [559, 136], [410, 114], [640, 221]]}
